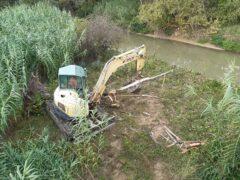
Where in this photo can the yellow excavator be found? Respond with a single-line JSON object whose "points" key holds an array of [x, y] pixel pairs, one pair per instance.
{"points": [[71, 99]]}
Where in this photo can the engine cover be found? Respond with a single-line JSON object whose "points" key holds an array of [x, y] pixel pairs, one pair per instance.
{"points": [[70, 103]]}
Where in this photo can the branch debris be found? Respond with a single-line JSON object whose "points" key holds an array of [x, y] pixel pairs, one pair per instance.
{"points": [[185, 146]]}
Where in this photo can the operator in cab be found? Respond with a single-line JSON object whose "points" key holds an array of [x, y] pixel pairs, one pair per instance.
{"points": [[72, 82]]}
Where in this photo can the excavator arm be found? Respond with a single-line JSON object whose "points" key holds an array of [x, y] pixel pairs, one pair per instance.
{"points": [[136, 54]]}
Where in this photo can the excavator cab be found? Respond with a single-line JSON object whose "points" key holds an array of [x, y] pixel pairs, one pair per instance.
{"points": [[71, 96], [72, 77]]}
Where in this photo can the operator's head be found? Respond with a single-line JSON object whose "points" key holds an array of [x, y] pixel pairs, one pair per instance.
{"points": [[72, 82]]}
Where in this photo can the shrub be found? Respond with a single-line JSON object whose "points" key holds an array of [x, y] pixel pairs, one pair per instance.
{"points": [[228, 45], [218, 40], [101, 35], [168, 15], [137, 26], [37, 38], [121, 12]]}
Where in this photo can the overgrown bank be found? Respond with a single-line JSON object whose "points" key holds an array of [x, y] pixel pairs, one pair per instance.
{"points": [[193, 107], [214, 22]]}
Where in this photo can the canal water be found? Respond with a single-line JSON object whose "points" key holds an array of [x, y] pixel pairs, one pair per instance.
{"points": [[212, 63]]}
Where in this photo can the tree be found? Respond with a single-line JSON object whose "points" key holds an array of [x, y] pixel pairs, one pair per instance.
{"points": [[183, 14]]}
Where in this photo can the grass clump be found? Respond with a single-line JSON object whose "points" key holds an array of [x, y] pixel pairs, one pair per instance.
{"points": [[41, 158], [36, 159], [220, 158], [32, 38]]}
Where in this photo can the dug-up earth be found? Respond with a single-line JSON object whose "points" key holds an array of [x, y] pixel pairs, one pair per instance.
{"points": [[133, 151]]}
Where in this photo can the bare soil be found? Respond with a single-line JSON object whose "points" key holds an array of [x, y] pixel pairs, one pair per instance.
{"points": [[147, 114]]}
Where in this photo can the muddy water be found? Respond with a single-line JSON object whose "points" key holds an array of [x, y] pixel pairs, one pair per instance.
{"points": [[211, 63]]}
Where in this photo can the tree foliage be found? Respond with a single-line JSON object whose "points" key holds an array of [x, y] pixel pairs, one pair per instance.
{"points": [[174, 14], [189, 15], [121, 12], [80, 8]]}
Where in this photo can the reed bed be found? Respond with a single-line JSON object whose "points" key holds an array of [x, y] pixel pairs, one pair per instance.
{"points": [[32, 38]]}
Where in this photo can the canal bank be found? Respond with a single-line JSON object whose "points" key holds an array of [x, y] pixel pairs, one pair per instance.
{"points": [[182, 40]]}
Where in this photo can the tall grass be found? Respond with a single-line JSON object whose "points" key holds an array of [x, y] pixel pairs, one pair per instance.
{"points": [[37, 38], [220, 158], [222, 153], [41, 158], [35, 158]]}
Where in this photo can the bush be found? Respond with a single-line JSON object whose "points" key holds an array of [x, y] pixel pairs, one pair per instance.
{"points": [[80, 8], [101, 35], [218, 40], [168, 15], [228, 45], [121, 12], [137, 26], [32, 38]]}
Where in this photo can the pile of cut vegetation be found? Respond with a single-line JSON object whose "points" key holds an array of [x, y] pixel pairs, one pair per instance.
{"points": [[32, 38]]}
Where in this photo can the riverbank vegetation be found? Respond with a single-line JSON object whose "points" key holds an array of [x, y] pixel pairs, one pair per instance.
{"points": [[35, 39], [202, 21], [197, 109], [41, 158], [41, 38], [194, 107]]}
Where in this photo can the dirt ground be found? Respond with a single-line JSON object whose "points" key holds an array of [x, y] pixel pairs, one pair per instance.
{"points": [[146, 114]]}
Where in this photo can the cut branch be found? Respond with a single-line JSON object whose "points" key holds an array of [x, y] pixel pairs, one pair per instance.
{"points": [[140, 95], [143, 80]]}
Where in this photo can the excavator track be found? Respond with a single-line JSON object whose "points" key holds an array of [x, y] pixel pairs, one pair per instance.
{"points": [[66, 123]]}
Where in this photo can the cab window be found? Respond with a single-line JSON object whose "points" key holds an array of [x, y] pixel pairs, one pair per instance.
{"points": [[72, 82], [63, 82]]}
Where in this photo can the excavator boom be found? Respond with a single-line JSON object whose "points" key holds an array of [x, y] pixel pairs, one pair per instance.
{"points": [[136, 54]]}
